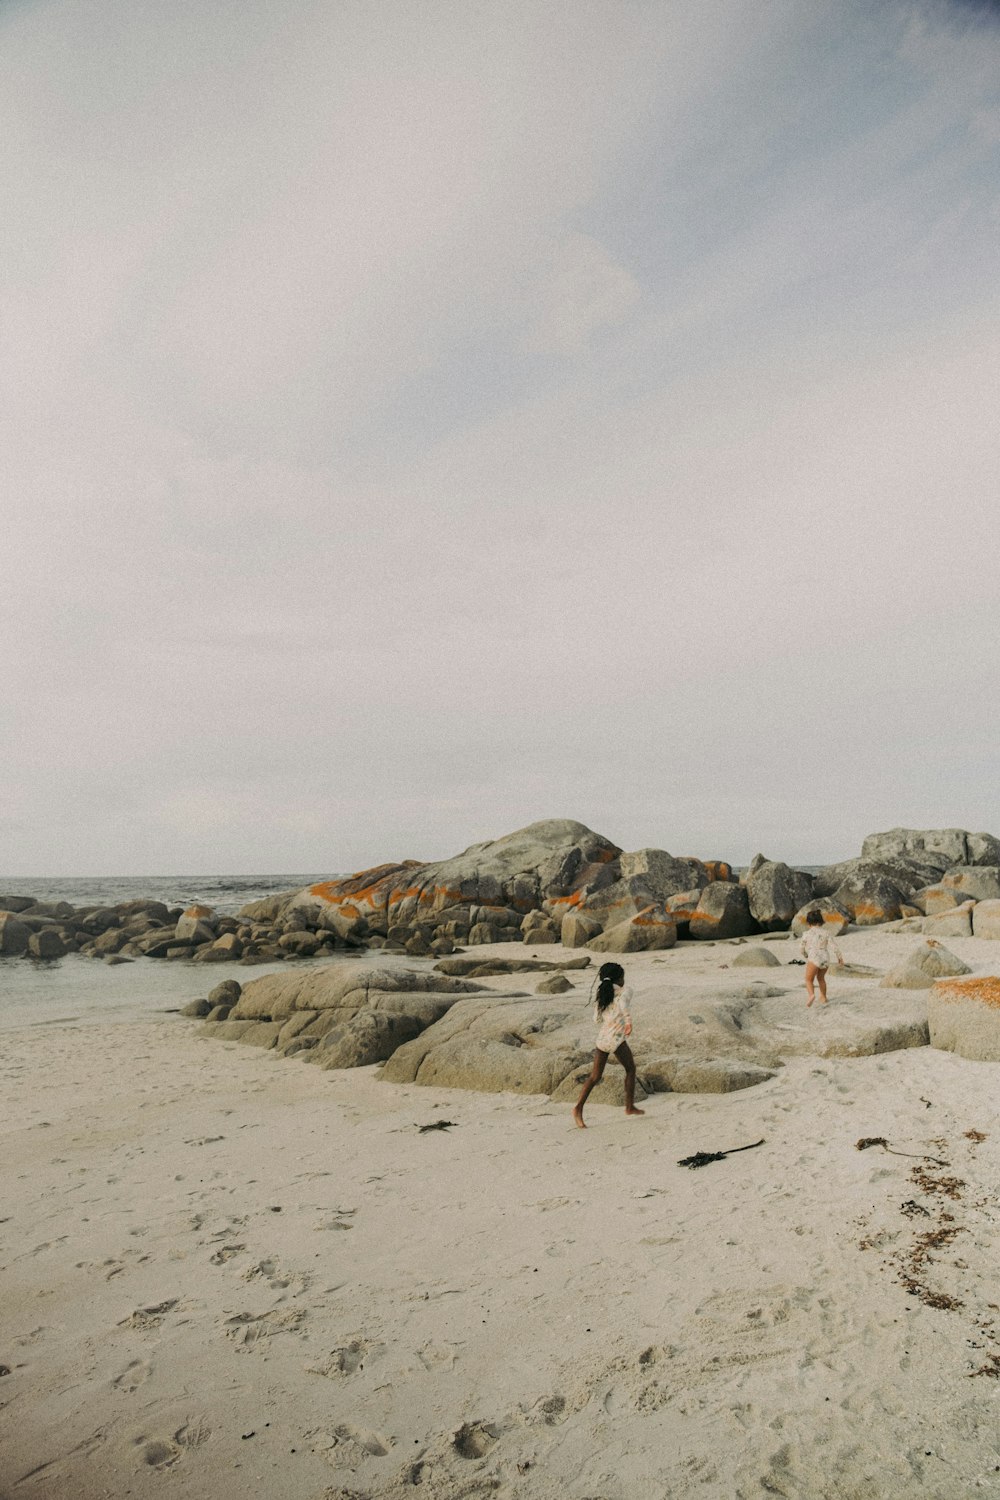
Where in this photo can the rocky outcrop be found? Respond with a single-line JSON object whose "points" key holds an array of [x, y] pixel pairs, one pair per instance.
{"points": [[927, 963], [775, 892], [964, 1017]]}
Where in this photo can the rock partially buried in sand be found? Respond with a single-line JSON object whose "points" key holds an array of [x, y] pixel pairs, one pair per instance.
{"points": [[716, 1076], [927, 963], [756, 958], [964, 1017]]}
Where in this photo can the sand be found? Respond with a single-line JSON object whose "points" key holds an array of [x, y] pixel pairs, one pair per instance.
{"points": [[227, 1274]]}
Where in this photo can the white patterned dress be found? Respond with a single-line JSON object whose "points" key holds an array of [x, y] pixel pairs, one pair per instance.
{"points": [[614, 1021]]}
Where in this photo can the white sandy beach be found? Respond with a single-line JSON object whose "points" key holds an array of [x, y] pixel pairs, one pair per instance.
{"points": [[224, 1273]]}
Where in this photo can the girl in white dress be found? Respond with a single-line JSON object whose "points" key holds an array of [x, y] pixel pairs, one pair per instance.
{"points": [[614, 1024], [817, 948]]}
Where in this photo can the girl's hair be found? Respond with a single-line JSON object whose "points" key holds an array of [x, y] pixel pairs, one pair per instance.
{"points": [[814, 917], [607, 977]]}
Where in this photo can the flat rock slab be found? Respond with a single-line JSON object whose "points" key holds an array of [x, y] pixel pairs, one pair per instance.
{"points": [[964, 1017]]}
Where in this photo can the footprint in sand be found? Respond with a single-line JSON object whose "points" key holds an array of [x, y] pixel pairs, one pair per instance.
{"points": [[135, 1374], [475, 1439], [247, 1329], [347, 1359], [158, 1453], [348, 1446], [149, 1317], [224, 1253], [194, 1432], [437, 1356]]}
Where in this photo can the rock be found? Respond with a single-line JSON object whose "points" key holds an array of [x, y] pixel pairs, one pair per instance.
{"points": [[58, 909], [100, 919], [719, 869], [219, 1013], [944, 846], [927, 963], [836, 918], [260, 1034], [619, 901], [716, 1076], [156, 911], [964, 1017], [576, 929], [663, 874], [156, 944], [369, 1037], [16, 903], [197, 1008], [682, 908], [227, 992], [649, 930], [304, 944], [222, 1030], [986, 919], [46, 944], [957, 923], [550, 861], [755, 958], [984, 849], [196, 925], [14, 935], [871, 897], [111, 959], [109, 941], [269, 909], [723, 911], [342, 987], [556, 984], [775, 892], [980, 882], [934, 899], [480, 934], [543, 937]]}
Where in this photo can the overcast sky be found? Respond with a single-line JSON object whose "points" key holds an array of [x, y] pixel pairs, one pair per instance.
{"points": [[420, 418]]}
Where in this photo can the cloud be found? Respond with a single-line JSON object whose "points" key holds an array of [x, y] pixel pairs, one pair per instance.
{"points": [[419, 426]]}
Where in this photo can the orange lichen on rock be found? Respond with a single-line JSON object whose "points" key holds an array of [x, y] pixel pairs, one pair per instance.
{"points": [[718, 869], [985, 988], [365, 885]]}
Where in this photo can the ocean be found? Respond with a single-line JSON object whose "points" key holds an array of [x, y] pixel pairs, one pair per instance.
{"points": [[36, 992]]}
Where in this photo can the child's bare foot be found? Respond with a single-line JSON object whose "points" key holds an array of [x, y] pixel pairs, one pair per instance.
{"points": [[810, 1001], [634, 1111], [578, 1117]]}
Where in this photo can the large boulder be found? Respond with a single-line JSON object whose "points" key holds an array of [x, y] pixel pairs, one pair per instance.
{"points": [[775, 892], [553, 862], [980, 882], [648, 930], [723, 911], [957, 923], [46, 943], [196, 925], [986, 919], [872, 897], [934, 899], [576, 929], [342, 987], [618, 902], [369, 1037], [14, 935], [664, 874], [16, 903], [940, 846], [964, 1017], [919, 970], [836, 918]]}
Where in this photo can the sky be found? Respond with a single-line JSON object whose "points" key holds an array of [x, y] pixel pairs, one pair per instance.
{"points": [[424, 418]]}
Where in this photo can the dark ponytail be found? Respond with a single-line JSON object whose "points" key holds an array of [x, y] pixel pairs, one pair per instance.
{"points": [[607, 977]]}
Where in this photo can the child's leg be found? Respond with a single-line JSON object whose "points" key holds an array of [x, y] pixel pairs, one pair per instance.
{"points": [[811, 972], [821, 981], [624, 1056], [596, 1074]]}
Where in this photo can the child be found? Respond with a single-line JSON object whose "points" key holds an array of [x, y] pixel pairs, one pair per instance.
{"points": [[614, 1024], [816, 947]]}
